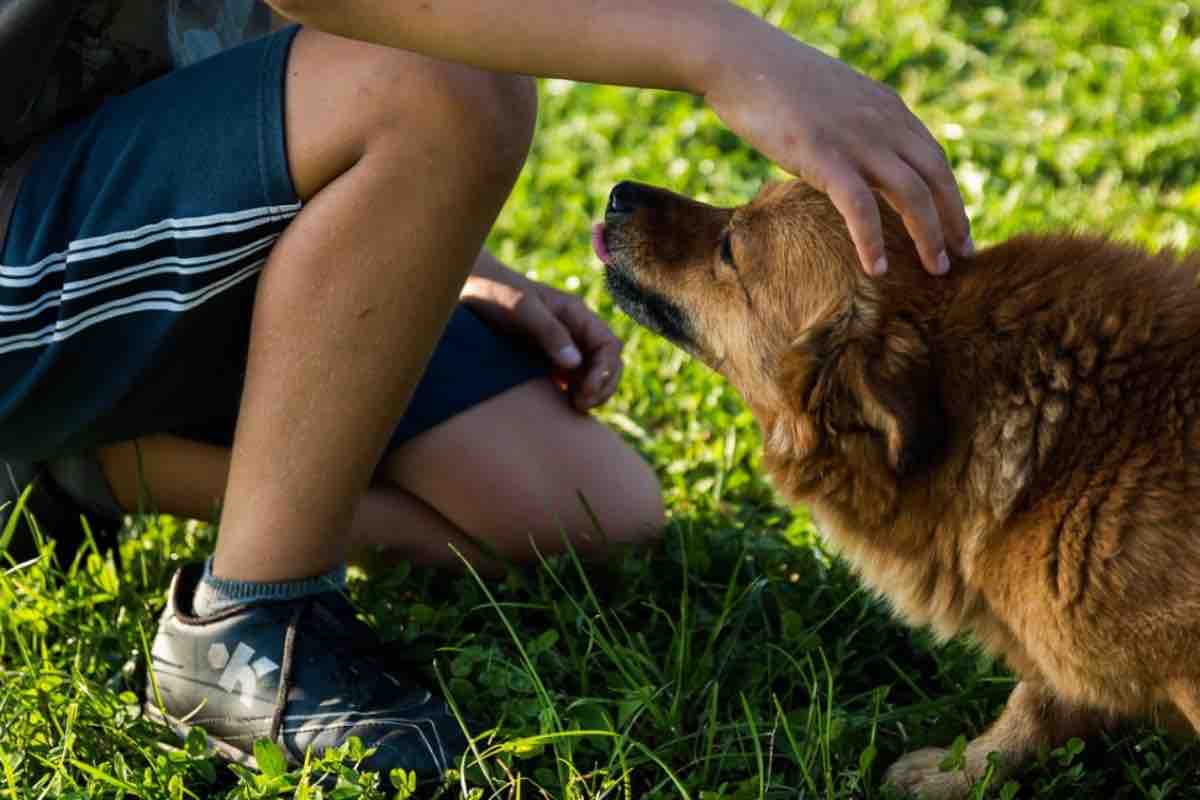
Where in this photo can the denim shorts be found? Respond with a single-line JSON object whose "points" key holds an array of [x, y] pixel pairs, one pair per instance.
{"points": [[128, 273]]}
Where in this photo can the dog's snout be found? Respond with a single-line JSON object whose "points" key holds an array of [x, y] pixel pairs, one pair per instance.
{"points": [[627, 197]]}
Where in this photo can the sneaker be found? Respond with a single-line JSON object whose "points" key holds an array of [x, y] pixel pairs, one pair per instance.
{"points": [[302, 673]]}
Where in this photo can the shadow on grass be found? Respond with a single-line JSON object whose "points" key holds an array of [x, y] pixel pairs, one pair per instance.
{"points": [[724, 661]]}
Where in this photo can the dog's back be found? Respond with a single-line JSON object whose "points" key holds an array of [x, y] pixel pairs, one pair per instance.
{"points": [[1081, 363]]}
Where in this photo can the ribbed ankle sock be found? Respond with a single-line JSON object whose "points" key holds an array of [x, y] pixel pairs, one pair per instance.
{"points": [[214, 594]]}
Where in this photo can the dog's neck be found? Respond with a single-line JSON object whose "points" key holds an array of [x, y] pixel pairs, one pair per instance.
{"points": [[1023, 340], [1037, 343], [1041, 351]]}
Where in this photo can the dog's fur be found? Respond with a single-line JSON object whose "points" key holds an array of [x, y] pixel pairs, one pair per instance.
{"points": [[1010, 451]]}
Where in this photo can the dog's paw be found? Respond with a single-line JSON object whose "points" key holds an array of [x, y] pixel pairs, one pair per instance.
{"points": [[919, 774]]}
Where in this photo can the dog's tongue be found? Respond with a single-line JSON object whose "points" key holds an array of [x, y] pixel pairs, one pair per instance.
{"points": [[598, 243]]}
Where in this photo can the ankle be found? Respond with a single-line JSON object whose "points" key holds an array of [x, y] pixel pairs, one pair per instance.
{"points": [[214, 593]]}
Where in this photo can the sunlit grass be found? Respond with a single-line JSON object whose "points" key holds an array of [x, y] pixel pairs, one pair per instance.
{"points": [[736, 660]]}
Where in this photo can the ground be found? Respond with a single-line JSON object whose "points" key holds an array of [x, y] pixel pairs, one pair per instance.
{"points": [[736, 660]]}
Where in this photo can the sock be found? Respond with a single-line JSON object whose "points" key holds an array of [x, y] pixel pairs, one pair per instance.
{"points": [[214, 594]]}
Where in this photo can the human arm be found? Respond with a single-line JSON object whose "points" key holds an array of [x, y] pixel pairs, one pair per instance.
{"points": [[813, 115], [584, 350]]}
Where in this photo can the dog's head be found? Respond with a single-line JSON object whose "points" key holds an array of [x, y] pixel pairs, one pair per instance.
{"points": [[771, 295]]}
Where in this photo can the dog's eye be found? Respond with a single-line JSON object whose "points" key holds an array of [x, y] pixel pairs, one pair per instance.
{"points": [[727, 251]]}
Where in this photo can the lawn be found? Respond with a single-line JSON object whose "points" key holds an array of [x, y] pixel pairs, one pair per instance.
{"points": [[737, 659]]}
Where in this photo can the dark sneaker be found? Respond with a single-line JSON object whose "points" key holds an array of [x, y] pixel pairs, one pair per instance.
{"points": [[302, 673]]}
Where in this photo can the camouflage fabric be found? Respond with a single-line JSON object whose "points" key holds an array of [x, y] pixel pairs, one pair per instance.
{"points": [[197, 29], [99, 57], [113, 46]]}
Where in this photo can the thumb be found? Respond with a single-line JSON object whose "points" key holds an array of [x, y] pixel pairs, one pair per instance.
{"points": [[549, 331]]}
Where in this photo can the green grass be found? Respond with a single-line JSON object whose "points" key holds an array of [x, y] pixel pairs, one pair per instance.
{"points": [[737, 659]]}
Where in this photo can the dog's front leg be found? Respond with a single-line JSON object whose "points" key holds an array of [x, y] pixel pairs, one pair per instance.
{"points": [[1034, 718]]}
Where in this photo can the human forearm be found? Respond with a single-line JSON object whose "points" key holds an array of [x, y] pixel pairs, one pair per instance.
{"points": [[818, 118], [667, 44]]}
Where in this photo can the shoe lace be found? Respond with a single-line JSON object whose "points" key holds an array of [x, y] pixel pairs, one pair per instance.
{"points": [[364, 643], [345, 631]]}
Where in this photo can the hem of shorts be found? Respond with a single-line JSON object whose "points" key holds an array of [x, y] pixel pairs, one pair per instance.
{"points": [[275, 171], [80, 476]]}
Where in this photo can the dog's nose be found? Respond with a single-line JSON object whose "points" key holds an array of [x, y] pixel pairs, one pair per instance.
{"points": [[625, 198]]}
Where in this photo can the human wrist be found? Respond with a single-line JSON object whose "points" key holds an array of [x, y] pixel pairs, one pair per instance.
{"points": [[497, 285], [732, 42], [478, 288], [488, 268]]}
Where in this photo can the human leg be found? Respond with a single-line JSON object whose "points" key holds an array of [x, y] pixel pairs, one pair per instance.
{"points": [[510, 473], [500, 478], [348, 307], [209, 659], [351, 301]]}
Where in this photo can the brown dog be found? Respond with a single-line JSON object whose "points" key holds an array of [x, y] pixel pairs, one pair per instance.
{"points": [[1011, 451]]}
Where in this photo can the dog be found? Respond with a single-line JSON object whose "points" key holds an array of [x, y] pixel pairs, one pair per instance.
{"points": [[1011, 451]]}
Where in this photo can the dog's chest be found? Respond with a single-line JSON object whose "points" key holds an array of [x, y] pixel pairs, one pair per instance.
{"points": [[924, 591]]}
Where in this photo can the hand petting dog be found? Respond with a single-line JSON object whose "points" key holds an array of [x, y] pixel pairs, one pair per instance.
{"points": [[845, 134], [584, 350], [815, 116]]}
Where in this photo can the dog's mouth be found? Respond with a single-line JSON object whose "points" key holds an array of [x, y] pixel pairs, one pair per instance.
{"points": [[645, 306], [649, 308], [600, 245]]}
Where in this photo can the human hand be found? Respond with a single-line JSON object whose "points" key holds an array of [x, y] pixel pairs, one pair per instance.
{"points": [[585, 351], [845, 134], [813, 115]]}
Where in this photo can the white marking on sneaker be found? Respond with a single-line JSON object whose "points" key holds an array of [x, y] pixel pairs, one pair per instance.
{"points": [[240, 676], [218, 655], [264, 666]]}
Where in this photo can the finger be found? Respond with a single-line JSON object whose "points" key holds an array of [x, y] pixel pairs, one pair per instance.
{"points": [[609, 387], [907, 192], [548, 330], [930, 163], [587, 329], [855, 202], [603, 377], [601, 346]]}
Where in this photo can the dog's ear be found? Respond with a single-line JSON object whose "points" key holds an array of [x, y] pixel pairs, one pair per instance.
{"points": [[852, 385]]}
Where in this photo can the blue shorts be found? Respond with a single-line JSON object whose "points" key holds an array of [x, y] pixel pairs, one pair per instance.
{"points": [[128, 274]]}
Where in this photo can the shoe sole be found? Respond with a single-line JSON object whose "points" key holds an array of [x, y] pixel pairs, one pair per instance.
{"points": [[222, 749], [213, 745]]}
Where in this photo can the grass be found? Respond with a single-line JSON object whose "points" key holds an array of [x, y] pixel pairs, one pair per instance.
{"points": [[737, 659]]}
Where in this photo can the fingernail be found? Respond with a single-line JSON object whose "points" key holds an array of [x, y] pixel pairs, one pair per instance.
{"points": [[880, 266], [943, 264], [569, 356]]}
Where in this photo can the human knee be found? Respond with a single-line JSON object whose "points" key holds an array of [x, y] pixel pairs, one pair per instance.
{"points": [[484, 120], [601, 496], [634, 514], [613, 500], [605, 492], [510, 118], [500, 120], [404, 117]]}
